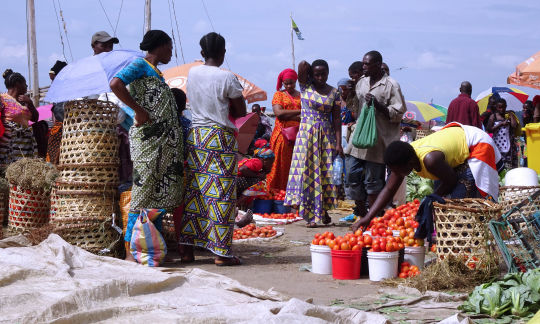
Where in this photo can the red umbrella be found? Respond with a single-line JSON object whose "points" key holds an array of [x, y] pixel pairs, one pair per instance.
{"points": [[176, 77]]}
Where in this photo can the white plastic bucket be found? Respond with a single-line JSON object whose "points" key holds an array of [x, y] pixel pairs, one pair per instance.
{"points": [[415, 255], [321, 259], [382, 265], [521, 177]]}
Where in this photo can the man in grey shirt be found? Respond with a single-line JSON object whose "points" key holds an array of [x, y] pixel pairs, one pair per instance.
{"points": [[384, 93]]}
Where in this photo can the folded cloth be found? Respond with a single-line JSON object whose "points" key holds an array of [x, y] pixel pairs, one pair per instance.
{"points": [[424, 217]]}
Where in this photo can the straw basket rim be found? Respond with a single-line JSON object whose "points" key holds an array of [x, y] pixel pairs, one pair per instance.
{"points": [[451, 203]]}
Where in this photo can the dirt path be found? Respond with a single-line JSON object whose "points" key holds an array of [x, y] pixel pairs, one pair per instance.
{"points": [[277, 265]]}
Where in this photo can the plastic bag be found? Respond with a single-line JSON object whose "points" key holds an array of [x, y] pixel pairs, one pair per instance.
{"points": [[365, 132], [147, 245]]}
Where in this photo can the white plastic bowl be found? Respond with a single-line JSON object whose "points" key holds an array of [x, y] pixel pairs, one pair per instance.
{"points": [[521, 177]]}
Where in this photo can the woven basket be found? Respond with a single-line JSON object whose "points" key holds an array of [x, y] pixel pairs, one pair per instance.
{"points": [[90, 175], [90, 148], [462, 228], [28, 209], [510, 196], [83, 215], [4, 203], [89, 133], [421, 133]]}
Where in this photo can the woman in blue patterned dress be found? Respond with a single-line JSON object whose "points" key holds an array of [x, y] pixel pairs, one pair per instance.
{"points": [[310, 187], [156, 143]]}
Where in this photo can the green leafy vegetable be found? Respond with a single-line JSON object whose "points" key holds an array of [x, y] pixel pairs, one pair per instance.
{"points": [[417, 187], [518, 295], [493, 304]]}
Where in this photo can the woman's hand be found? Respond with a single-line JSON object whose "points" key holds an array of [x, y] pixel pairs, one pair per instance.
{"points": [[141, 117], [24, 99], [339, 150]]}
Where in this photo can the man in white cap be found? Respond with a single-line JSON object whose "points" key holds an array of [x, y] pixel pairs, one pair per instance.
{"points": [[103, 42]]}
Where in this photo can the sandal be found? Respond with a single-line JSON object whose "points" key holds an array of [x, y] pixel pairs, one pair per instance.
{"points": [[312, 225], [228, 262]]}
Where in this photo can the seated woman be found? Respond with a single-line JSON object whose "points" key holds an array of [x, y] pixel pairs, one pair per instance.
{"points": [[16, 109], [463, 159], [252, 171]]}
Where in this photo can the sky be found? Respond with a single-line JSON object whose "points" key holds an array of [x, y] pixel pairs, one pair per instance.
{"points": [[430, 46]]}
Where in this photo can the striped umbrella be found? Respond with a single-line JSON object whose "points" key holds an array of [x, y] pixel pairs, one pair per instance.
{"points": [[421, 111], [514, 98]]}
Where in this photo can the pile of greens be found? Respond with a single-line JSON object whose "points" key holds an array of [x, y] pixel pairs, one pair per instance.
{"points": [[418, 187], [516, 294]]}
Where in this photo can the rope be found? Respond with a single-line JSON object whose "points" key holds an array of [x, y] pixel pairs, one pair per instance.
{"points": [[60, 31], [172, 32], [178, 32], [213, 29], [65, 29], [118, 18], [107, 16]]}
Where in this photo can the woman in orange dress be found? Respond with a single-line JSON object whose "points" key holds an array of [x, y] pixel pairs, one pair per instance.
{"points": [[286, 106]]}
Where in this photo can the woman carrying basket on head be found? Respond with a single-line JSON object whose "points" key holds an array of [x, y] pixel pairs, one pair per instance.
{"points": [[464, 161]]}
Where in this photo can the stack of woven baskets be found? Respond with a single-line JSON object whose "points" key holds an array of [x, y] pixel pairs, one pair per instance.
{"points": [[85, 196]]}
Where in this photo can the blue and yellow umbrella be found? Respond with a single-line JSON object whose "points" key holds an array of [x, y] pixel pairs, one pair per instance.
{"points": [[421, 111]]}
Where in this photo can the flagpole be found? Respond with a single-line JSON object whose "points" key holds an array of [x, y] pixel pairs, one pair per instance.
{"points": [[292, 46]]}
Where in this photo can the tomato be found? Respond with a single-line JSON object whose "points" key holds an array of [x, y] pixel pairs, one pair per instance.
{"points": [[368, 240], [404, 269], [336, 247], [389, 247], [403, 275], [382, 247], [376, 248], [358, 233], [331, 244], [345, 246], [375, 232], [353, 240], [434, 248], [356, 248]]}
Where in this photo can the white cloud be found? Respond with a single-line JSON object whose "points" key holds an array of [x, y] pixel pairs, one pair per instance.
{"points": [[506, 61], [201, 26], [54, 57], [16, 51], [431, 60]]}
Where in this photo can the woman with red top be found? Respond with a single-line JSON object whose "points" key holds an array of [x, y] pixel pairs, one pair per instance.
{"points": [[286, 106]]}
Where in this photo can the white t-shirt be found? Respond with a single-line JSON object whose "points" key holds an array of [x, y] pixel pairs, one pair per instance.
{"points": [[208, 91]]}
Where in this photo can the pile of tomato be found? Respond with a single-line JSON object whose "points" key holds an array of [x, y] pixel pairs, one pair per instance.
{"points": [[280, 216], [358, 240], [273, 195], [407, 270], [402, 219], [252, 231]]}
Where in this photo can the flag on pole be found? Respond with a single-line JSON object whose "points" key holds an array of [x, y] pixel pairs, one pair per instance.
{"points": [[296, 30]]}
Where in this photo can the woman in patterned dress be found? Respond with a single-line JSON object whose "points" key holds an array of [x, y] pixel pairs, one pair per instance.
{"points": [[503, 125], [210, 203], [156, 138], [318, 143], [16, 109], [286, 106]]}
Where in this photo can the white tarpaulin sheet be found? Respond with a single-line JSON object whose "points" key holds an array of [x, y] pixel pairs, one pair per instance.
{"points": [[60, 283]]}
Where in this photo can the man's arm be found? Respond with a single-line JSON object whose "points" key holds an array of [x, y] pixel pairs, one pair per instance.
{"points": [[435, 163], [474, 112]]}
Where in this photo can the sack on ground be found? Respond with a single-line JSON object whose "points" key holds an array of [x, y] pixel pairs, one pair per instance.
{"points": [[365, 132], [147, 245]]}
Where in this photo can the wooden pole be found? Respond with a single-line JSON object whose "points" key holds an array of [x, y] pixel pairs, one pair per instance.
{"points": [[31, 43], [292, 47], [147, 15]]}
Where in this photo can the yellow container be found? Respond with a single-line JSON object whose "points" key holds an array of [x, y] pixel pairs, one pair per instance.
{"points": [[533, 146]]}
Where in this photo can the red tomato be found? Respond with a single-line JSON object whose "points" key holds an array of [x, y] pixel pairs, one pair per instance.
{"points": [[345, 246], [356, 247]]}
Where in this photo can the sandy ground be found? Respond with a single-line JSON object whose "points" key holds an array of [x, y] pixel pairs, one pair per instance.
{"points": [[277, 264]]}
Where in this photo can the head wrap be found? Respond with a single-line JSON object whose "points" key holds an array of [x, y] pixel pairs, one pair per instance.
{"points": [[343, 82], [260, 143], [264, 153], [286, 74], [536, 101], [57, 67], [154, 39]]}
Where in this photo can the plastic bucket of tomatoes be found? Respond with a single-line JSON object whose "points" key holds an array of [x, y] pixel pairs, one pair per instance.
{"points": [[415, 255], [321, 259], [346, 264], [279, 208], [382, 265], [262, 206]]}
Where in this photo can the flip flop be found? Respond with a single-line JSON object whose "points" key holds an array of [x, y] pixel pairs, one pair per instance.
{"points": [[228, 262], [312, 225]]}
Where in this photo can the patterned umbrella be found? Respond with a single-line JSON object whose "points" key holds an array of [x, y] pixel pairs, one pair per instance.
{"points": [[527, 73], [421, 111], [514, 98], [176, 77]]}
